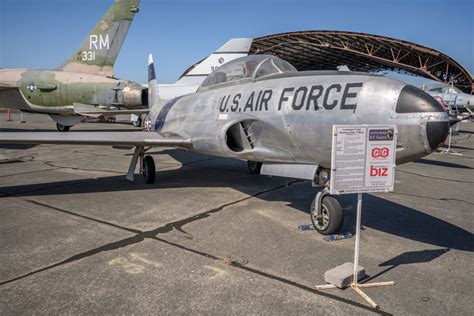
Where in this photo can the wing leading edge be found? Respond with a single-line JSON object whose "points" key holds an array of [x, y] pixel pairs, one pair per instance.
{"points": [[95, 138]]}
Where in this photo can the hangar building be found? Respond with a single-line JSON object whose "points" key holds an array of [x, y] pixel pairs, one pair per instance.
{"points": [[324, 50]]}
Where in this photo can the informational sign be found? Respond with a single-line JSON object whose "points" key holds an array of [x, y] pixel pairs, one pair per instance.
{"points": [[363, 158]]}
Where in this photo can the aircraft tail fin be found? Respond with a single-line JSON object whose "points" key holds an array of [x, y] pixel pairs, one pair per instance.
{"points": [[153, 93], [233, 49], [343, 68], [98, 52]]}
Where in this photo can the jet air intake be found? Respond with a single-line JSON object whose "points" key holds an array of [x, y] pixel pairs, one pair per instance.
{"points": [[239, 136]]}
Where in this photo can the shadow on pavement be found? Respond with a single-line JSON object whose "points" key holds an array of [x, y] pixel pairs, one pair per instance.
{"points": [[410, 257], [378, 213], [442, 163]]}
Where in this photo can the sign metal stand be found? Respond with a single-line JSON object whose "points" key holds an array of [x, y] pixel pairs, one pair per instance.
{"points": [[449, 150], [356, 286], [352, 137]]}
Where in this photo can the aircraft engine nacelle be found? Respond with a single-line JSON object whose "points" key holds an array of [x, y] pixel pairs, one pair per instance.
{"points": [[134, 96]]}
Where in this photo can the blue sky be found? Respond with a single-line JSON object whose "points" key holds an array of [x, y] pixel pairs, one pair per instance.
{"points": [[44, 33]]}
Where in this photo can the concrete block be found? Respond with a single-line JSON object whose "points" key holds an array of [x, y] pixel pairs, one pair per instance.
{"points": [[341, 276]]}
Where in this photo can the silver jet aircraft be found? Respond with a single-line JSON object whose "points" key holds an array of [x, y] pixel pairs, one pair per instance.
{"points": [[261, 109], [451, 97]]}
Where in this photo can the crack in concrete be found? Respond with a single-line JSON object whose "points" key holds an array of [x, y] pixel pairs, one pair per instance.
{"points": [[51, 164], [245, 267], [177, 225], [17, 159], [28, 172], [140, 235]]}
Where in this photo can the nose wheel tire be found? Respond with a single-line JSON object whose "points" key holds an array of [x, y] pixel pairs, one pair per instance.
{"points": [[331, 217], [62, 128], [149, 170], [138, 122], [254, 166]]}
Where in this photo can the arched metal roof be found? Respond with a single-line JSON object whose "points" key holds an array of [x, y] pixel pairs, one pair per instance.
{"points": [[323, 50]]}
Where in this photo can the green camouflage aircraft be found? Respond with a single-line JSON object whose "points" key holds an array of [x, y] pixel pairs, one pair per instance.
{"points": [[85, 84]]}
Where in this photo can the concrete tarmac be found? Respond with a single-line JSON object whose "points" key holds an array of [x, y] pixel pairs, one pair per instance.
{"points": [[209, 238]]}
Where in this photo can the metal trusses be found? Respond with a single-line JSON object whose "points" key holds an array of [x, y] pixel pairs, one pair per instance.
{"points": [[323, 50]]}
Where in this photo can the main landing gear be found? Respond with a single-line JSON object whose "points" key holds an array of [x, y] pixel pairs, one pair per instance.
{"points": [[148, 169], [138, 122], [254, 166], [62, 128], [147, 166]]}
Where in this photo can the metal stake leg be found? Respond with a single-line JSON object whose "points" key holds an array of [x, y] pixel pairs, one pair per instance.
{"points": [[357, 241], [449, 150]]}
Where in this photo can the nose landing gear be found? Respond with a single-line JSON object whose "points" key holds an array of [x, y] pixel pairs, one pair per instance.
{"points": [[326, 213]]}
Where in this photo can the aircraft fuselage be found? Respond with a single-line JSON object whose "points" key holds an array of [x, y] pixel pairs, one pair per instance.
{"points": [[289, 117], [50, 91]]}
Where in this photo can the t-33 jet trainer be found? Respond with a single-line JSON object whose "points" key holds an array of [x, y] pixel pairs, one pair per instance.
{"points": [[261, 109], [85, 84]]}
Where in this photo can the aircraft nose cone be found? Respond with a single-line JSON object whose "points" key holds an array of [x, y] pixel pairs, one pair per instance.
{"points": [[414, 100], [436, 132], [453, 120]]}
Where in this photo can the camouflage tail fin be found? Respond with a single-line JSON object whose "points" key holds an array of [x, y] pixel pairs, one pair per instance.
{"points": [[100, 49]]}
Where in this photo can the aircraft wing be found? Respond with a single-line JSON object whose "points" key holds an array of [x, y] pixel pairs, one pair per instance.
{"points": [[95, 138], [112, 112], [4, 86], [90, 110]]}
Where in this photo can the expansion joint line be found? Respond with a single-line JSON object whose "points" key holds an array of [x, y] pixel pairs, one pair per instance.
{"points": [[139, 235]]}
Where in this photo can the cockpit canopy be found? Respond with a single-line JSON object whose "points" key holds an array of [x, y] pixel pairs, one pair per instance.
{"points": [[245, 69]]}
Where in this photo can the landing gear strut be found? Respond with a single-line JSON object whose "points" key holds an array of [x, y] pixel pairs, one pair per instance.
{"points": [[147, 166], [254, 166], [326, 213], [62, 128], [138, 122]]}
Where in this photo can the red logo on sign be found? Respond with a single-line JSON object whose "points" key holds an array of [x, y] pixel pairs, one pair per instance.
{"points": [[380, 152], [378, 171]]}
